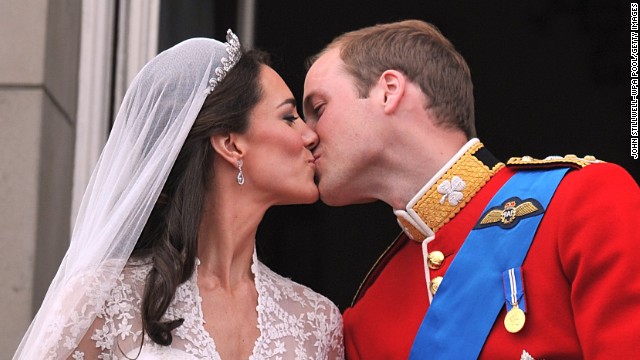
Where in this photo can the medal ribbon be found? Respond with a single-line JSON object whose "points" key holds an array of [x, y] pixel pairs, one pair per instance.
{"points": [[514, 289], [471, 294]]}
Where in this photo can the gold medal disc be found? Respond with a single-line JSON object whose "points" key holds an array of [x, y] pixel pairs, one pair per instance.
{"points": [[514, 321]]}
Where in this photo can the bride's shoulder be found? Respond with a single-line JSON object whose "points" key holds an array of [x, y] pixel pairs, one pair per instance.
{"points": [[107, 282], [107, 272], [137, 269]]}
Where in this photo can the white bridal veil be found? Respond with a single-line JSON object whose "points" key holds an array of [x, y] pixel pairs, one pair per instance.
{"points": [[156, 115]]}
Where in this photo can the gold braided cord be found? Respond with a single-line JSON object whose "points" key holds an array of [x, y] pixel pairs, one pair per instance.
{"points": [[567, 160]]}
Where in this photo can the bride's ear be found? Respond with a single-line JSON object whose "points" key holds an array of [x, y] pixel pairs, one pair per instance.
{"points": [[227, 147]]}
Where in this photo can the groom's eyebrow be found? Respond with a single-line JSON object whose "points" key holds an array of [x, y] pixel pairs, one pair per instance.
{"points": [[306, 103]]}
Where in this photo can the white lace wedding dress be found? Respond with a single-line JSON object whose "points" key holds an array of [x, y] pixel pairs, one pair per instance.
{"points": [[294, 322]]}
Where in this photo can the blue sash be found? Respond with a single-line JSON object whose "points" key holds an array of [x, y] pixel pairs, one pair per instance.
{"points": [[471, 294]]}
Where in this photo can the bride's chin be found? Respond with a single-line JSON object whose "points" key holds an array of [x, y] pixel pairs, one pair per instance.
{"points": [[314, 196], [308, 197]]}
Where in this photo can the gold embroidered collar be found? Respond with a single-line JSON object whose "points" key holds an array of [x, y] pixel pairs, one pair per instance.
{"points": [[448, 191]]}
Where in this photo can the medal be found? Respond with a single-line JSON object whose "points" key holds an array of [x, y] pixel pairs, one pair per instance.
{"points": [[514, 294], [514, 321]]}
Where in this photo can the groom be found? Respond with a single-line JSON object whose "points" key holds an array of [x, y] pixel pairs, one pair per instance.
{"points": [[535, 258]]}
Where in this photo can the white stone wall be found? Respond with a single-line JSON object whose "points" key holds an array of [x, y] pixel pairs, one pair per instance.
{"points": [[39, 47]]}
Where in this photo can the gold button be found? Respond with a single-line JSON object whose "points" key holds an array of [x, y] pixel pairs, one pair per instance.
{"points": [[590, 158], [571, 156], [435, 284], [435, 259]]}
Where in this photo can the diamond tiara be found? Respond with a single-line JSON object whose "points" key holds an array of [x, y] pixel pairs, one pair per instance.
{"points": [[233, 49]]}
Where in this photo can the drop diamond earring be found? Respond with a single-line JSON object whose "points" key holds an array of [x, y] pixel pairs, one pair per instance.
{"points": [[240, 177]]}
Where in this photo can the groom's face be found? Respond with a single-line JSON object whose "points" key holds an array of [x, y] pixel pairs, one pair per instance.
{"points": [[334, 109]]}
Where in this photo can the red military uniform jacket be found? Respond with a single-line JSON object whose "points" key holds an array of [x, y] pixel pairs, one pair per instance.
{"points": [[581, 274]]}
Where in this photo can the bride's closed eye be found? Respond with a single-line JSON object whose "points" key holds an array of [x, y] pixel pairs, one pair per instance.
{"points": [[291, 118]]}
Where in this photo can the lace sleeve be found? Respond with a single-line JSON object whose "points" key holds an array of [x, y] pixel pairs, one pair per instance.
{"points": [[64, 319], [88, 348], [117, 327], [86, 321]]}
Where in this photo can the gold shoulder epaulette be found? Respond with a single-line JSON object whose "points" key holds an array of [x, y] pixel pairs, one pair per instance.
{"points": [[552, 161]]}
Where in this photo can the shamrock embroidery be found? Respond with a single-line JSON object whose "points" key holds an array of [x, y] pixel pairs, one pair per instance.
{"points": [[452, 190]]}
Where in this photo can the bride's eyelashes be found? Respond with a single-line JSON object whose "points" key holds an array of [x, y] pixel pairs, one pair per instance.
{"points": [[290, 118]]}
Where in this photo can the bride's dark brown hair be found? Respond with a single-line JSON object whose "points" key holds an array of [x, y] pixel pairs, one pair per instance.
{"points": [[170, 235]]}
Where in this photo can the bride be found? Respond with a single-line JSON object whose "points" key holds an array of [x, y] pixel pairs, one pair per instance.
{"points": [[162, 260]]}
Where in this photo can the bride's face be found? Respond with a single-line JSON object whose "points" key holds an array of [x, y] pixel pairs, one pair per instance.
{"points": [[278, 161]]}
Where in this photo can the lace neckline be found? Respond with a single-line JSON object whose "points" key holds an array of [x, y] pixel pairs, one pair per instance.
{"points": [[257, 279], [293, 321]]}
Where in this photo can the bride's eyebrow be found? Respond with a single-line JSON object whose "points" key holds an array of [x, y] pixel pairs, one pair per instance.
{"points": [[289, 101]]}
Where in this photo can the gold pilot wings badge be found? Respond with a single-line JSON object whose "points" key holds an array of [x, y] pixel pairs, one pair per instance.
{"points": [[509, 213]]}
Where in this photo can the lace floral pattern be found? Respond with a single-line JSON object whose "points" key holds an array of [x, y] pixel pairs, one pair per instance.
{"points": [[294, 322]]}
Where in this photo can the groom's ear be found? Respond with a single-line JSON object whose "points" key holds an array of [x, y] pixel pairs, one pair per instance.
{"points": [[392, 84], [228, 146]]}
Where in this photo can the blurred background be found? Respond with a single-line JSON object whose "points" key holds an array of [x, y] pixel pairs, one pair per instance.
{"points": [[551, 78]]}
